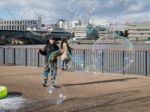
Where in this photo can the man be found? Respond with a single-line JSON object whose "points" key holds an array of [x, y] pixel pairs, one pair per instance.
{"points": [[50, 66]]}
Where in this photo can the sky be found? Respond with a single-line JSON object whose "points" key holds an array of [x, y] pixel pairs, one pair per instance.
{"points": [[97, 11]]}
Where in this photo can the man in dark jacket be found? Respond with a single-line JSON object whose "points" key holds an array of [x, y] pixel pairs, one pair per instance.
{"points": [[51, 67]]}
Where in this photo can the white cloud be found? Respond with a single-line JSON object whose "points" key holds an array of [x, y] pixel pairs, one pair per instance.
{"points": [[30, 13], [136, 7], [50, 10]]}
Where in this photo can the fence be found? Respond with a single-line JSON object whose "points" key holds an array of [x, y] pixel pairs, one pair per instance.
{"points": [[108, 61]]}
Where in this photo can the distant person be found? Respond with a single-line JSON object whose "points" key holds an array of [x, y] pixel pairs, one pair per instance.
{"points": [[51, 67], [66, 54]]}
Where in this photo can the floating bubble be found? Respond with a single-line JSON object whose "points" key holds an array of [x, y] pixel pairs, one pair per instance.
{"points": [[126, 2], [61, 99], [77, 60], [56, 95], [81, 9], [87, 6], [82, 62], [112, 54], [51, 90], [55, 91], [40, 26]]}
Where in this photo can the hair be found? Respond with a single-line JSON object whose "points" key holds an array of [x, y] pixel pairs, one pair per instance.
{"points": [[64, 41], [51, 37]]}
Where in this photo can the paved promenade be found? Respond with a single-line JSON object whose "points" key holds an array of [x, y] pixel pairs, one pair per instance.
{"points": [[84, 92]]}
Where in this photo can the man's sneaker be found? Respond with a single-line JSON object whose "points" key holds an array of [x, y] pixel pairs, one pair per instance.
{"points": [[45, 82]]}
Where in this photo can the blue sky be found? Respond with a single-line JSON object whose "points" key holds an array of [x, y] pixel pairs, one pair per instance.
{"points": [[98, 11]]}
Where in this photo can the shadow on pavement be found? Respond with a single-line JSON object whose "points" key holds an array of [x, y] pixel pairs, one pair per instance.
{"points": [[15, 94], [96, 82]]}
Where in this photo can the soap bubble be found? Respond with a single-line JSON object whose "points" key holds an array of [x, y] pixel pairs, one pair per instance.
{"points": [[82, 6], [112, 54], [56, 91], [81, 62], [56, 95], [81, 9], [126, 2]]}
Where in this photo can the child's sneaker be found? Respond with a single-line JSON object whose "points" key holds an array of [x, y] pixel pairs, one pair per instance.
{"points": [[44, 85], [52, 81]]}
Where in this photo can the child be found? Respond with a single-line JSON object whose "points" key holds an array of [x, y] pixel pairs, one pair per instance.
{"points": [[66, 54], [51, 66]]}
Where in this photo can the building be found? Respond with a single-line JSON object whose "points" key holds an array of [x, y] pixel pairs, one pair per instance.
{"points": [[109, 32], [85, 32], [139, 31], [75, 23], [19, 25], [105, 33], [61, 23]]}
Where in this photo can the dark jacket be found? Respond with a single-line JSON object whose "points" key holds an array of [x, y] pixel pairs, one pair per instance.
{"points": [[48, 50]]}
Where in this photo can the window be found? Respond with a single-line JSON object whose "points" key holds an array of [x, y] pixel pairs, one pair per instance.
{"points": [[20, 27], [23, 27], [29, 22], [14, 27]]}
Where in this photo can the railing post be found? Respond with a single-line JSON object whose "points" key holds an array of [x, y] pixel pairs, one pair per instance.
{"points": [[26, 55], [4, 56], [38, 59], [146, 57], [14, 56], [84, 59], [102, 61], [123, 63]]}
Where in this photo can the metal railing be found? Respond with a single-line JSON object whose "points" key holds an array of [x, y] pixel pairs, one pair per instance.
{"points": [[108, 61]]}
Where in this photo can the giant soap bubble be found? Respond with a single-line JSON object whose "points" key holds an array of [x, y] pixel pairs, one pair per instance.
{"points": [[81, 9], [112, 54], [55, 90]]}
